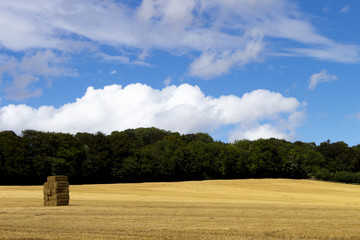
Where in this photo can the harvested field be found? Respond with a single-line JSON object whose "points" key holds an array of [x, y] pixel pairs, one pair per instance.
{"points": [[226, 209]]}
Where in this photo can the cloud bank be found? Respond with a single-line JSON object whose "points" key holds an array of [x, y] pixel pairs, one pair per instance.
{"points": [[183, 108], [217, 35]]}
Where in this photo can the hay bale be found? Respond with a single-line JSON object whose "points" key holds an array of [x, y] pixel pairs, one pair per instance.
{"points": [[47, 191], [57, 185], [56, 191], [59, 196], [56, 203], [58, 178]]}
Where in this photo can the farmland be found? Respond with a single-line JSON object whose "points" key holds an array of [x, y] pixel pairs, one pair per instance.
{"points": [[219, 209]]}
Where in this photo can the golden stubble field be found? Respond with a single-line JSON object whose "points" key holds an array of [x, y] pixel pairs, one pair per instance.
{"points": [[226, 209]]}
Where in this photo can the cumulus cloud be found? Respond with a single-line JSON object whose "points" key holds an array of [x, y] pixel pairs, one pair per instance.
{"points": [[33, 67], [320, 77], [219, 35], [258, 131], [182, 108]]}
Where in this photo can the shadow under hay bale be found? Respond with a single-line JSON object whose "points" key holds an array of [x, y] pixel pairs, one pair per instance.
{"points": [[56, 191]]}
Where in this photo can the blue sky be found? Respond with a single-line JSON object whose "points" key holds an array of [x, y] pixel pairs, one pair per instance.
{"points": [[236, 69]]}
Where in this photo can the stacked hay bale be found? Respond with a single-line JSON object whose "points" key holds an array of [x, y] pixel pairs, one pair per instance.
{"points": [[56, 191]]}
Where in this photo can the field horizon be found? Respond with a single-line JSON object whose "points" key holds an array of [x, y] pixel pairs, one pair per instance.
{"points": [[211, 209]]}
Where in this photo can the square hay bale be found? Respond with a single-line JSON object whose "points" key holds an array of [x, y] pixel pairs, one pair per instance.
{"points": [[56, 191], [56, 203], [47, 191], [50, 203], [58, 178], [57, 185], [59, 196]]}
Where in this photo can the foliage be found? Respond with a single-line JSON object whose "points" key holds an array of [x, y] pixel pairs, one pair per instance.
{"points": [[151, 154]]}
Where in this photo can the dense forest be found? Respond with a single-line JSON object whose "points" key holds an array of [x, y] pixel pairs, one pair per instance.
{"points": [[151, 154]]}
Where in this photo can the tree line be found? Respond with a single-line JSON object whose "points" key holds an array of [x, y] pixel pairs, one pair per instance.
{"points": [[151, 154]]}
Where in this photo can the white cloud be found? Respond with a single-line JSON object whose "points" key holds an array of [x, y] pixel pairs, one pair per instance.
{"points": [[224, 34], [320, 77], [182, 108], [120, 59], [167, 11], [345, 9], [210, 65], [167, 81], [258, 131], [29, 70], [333, 52], [142, 63]]}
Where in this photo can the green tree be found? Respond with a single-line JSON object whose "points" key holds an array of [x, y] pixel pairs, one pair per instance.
{"points": [[15, 163], [146, 136], [337, 156], [355, 159], [96, 166], [265, 160], [344, 176]]}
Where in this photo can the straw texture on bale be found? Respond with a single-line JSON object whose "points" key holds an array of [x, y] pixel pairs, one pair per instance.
{"points": [[59, 178], [56, 191]]}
